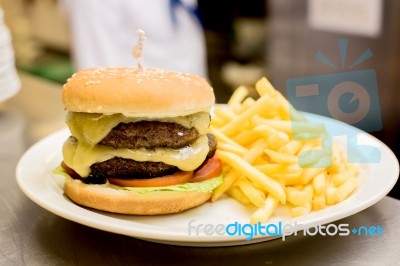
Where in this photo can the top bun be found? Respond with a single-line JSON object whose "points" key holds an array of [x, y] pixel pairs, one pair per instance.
{"points": [[137, 92]]}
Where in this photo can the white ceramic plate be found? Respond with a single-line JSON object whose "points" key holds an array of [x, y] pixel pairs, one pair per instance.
{"points": [[35, 178]]}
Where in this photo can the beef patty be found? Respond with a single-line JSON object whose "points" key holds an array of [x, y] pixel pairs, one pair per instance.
{"points": [[127, 168], [150, 134]]}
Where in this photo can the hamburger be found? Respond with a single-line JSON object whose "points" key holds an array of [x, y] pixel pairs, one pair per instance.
{"points": [[139, 142]]}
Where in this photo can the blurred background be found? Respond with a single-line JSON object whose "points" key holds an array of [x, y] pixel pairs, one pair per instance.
{"points": [[243, 41]]}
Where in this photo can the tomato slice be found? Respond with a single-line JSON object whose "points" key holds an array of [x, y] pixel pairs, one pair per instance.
{"points": [[69, 170], [211, 169], [179, 177]]}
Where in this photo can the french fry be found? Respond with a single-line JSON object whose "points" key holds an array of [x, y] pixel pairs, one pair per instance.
{"points": [[310, 193], [312, 158], [231, 148], [310, 173], [221, 137], [237, 194], [300, 210], [265, 212], [282, 105], [265, 130], [278, 140], [296, 197], [275, 138], [310, 144], [346, 189], [280, 125], [291, 180], [271, 169], [256, 185], [296, 115], [338, 163], [340, 177], [225, 114], [292, 147], [237, 98], [319, 202], [263, 86], [230, 128], [268, 184], [291, 175], [246, 137], [250, 156], [229, 179], [319, 183], [217, 122], [261, 160], [255, 196], [331, 196], [315, 130], [279, 157], [247, 103]]}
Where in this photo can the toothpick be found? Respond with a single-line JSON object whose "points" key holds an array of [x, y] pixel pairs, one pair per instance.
{"points": [[137, 50]]}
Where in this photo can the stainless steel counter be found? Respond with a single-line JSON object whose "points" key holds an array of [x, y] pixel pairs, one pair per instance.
{"points": [[30, 235]]}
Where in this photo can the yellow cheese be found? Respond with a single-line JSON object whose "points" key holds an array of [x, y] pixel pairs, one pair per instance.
{"points": [[81, 157], [91, 128]]}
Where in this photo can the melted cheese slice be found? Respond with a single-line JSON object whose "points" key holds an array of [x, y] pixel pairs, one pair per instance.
{"points": [[81, 156], [92, 128]]}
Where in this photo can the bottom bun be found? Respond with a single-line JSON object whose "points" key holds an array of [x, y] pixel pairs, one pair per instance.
{"points": [[105, 198]]}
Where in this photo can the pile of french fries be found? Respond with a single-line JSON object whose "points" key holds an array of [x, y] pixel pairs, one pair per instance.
{"points": [[272, 155]]}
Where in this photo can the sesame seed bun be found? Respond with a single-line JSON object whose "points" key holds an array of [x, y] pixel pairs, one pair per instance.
{"points": [[137, 92]]}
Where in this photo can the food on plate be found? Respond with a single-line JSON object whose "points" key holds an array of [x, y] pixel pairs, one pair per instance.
{"points": [[272, 155], [139, 141]]}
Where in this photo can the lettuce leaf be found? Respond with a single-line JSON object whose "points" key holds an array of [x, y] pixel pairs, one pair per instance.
{"points": [[203, 186]]}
